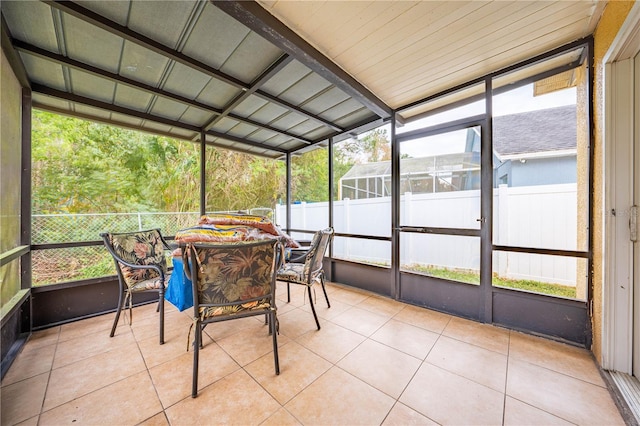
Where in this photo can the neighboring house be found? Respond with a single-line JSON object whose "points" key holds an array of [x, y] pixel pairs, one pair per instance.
{"points": [[535, 148], [531, 148]]}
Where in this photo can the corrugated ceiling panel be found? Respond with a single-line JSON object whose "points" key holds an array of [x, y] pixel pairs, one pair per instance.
{"points": [[290, 145], [117, 11], [318, 133], [305, 127], [289, 121], [214, 37], [343, 110], [92, 87], [129, 97], [186, 81], [44, 72], [265, 137], [242, 130], [167, 108], [141, 64], [355, 117], [152, 125], [31, 22], [184, 134], [51, 102], [327, 100], [132, 121], [224, 125], [196, 116], [91, 45], [278, 140], [99, 114], [211, 139], [268, 113], [163, 21], [217, 93], [305, 89], [249, 106], [289, 75], [251, 58]]}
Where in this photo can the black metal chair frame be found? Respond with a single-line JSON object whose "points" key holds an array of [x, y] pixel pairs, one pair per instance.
{"points": [[124, 293], [189, 251], [302, 256]]}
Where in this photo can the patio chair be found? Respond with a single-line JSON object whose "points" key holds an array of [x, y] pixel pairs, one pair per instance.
{"points": [[232, 281], [310, 270], [141, 265]]}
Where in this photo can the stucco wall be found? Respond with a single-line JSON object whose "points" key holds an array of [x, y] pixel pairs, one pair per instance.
{"points": [[10, 168], [612, 19]]}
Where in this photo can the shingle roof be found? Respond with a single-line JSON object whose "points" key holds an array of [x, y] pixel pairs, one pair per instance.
{"points": [[544, 130]]}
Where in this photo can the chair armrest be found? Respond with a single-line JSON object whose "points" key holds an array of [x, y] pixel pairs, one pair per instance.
{"points": [[134, 266], [298, 255]]}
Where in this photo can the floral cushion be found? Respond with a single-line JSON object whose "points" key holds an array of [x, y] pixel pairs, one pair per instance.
{"points": [[151, 284], [234, 278], [139, 248], [296, 272]]}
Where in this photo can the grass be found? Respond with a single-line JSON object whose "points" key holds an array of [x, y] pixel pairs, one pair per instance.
{"points": [[473, 277]]}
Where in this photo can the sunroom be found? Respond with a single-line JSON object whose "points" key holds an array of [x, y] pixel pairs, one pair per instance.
{"points": [[476, 160]]}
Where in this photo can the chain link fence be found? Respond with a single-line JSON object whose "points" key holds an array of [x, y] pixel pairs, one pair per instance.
{"points": [[52, 266], [66, 228]]}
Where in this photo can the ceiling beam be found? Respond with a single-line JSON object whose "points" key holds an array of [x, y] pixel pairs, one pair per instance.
{"points": [[276, 67], [256, 18], [48, 91], [72, 63], [116, 78], [126, 33], [12, 55], [63, 60], [244, 141]]}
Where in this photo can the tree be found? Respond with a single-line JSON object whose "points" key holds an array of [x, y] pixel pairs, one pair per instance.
{"points": [[310, 176]]}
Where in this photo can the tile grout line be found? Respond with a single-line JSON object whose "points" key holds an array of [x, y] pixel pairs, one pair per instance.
{"points": [[506, 379], [46, 389]]}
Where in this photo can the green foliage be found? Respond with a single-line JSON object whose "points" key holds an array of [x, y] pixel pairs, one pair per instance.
{"points": [[310, 176], [84, 167], [374, 146], [473, 277]]}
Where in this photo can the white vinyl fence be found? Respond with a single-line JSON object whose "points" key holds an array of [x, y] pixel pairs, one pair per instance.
{"points": [[543, 216]]}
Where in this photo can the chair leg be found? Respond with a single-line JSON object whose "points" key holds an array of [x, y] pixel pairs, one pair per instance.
{"points": [[313, 309], [115, 321], [273, 321], [324, 290], [196, 350], [161, 308], [288, 293]]}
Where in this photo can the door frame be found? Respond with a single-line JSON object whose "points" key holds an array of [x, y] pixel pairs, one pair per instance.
{"points": [[618, 296]]}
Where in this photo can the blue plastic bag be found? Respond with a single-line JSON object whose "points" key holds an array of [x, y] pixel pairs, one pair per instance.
{"points": [[179, 292]]}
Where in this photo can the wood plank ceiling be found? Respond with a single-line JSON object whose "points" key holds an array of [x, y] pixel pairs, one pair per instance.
{"points": [[272, 77], [404, 51]]}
